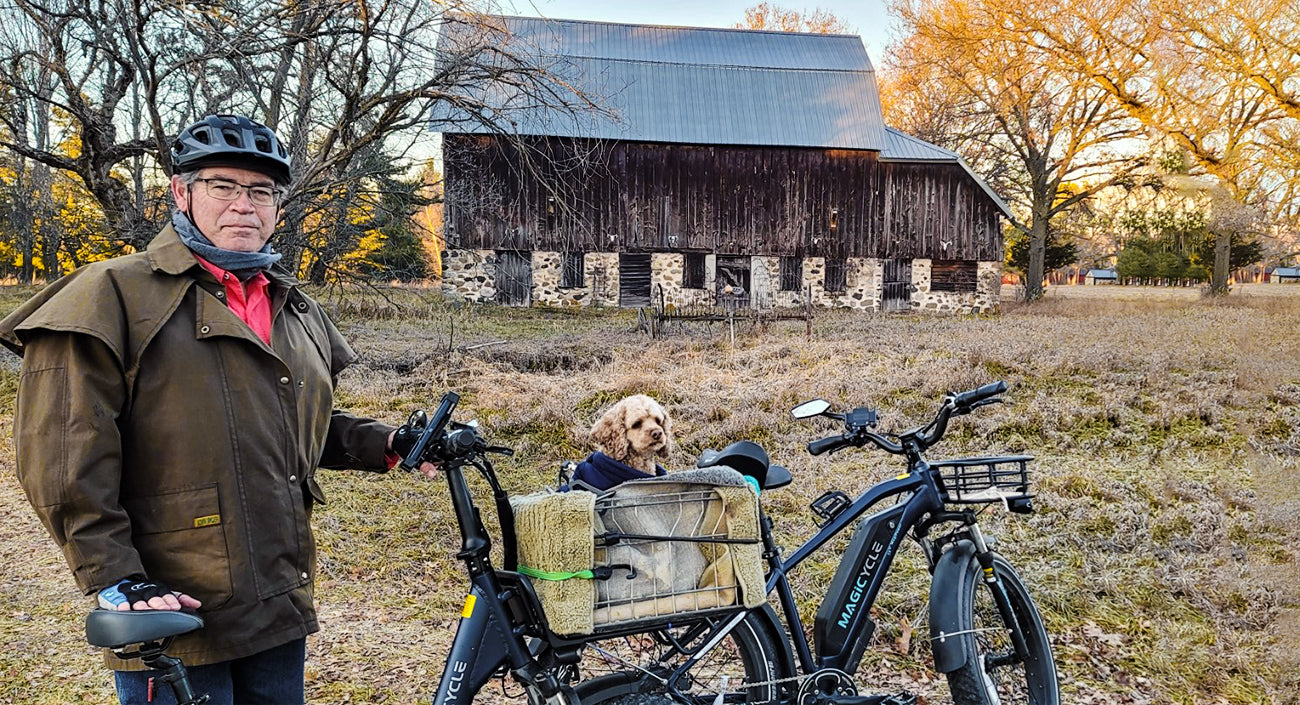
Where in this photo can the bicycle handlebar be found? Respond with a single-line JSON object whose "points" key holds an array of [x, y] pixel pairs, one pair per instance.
{"points": [[918, 439], [825, 445], [975, 396]]}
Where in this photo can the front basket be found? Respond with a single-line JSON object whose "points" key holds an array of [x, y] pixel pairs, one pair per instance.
{"points": [[983, 480]]}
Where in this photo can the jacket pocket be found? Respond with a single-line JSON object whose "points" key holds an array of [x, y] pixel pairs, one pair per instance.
{"points": [[181, 539]]}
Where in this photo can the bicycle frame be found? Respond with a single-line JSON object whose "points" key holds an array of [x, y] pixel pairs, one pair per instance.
{"points": [[925, 500], [886, 536]]}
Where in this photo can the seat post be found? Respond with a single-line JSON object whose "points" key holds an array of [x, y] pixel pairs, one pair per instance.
{"points": [[174, 674]]}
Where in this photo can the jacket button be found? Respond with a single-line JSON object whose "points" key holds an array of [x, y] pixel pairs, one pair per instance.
{"points": [[293, 478], [302, 305], [301, 384], [284, 380], [304, 576], [221, 294], [204, 330]]}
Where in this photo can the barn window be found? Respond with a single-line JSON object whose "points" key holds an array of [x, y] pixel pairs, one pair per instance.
{"points": [[693, 271], [953, 275], [835, 279], [571, 276], [791, 274]]}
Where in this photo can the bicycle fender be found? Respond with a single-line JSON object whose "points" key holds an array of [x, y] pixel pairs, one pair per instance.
{"points": [[476, 653], [948, 588], [767, 619]]}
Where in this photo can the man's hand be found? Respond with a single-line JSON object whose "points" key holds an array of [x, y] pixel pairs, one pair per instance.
{"points": [[429, 470], [136, 592]]}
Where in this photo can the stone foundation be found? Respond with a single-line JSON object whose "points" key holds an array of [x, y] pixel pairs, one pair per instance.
{"points": [[469, 275], [983, 300]]}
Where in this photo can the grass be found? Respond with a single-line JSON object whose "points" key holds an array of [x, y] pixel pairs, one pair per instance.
{"points": [[1162, 553]]}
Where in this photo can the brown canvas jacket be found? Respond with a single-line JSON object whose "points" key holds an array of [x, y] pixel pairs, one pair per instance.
{"points": [[157, 434]]}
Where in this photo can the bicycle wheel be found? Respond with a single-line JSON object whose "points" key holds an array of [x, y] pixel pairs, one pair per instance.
{"points": [[633, 670], [992, 674]]}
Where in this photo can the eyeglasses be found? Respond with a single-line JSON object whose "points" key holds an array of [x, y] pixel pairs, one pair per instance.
{"points": [[226, 190]]}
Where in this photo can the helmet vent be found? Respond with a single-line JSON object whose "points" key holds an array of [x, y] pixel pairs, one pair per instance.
{"points": [[203, 136], [232, 137], [262, 143]]}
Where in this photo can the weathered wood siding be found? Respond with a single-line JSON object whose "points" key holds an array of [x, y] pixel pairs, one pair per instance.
{"points": [[575, 195]]}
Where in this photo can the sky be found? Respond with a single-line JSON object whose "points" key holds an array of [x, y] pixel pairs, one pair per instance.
{"points": [[867, 17]]}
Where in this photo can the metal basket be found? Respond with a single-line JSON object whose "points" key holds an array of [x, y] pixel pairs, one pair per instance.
{"points": [[656, 547], [982, 480]]}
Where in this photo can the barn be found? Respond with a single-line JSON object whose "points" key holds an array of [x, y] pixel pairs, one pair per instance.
{"points": [[753, 164]]}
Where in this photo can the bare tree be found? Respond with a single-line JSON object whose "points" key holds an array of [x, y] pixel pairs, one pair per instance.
{"points": [[351, 86], [771, 17]]}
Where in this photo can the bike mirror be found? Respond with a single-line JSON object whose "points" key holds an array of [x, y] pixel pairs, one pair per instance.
{"points": [[809, 409]]}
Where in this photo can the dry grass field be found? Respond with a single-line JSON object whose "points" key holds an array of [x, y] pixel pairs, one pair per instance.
{"points": [[1166, 427]]}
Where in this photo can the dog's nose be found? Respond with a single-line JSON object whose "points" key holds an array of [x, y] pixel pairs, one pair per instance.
{"points": [[656, 434]]}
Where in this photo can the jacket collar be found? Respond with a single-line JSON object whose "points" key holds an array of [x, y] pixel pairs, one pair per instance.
{"points": [[169, 255]]}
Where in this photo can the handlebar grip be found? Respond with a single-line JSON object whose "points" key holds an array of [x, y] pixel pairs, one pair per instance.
{"points": [[977, 395], [822, 445]]}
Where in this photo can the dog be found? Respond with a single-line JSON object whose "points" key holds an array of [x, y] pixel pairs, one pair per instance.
{"points": [[636, 431]]}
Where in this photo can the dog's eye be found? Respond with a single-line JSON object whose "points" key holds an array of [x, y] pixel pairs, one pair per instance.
{"points": [[637, 424]]}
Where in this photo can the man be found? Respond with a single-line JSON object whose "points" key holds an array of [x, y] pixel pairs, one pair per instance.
{"points": [[173, 408]]}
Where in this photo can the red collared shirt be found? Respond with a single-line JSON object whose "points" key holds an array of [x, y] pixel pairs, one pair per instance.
{"points": [[250, 300]]}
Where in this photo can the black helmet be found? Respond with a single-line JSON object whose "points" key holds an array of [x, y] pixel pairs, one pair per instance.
{"points": [[231, 140]]}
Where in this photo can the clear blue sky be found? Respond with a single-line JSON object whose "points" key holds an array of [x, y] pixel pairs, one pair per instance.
{"points": [[867, 17]]}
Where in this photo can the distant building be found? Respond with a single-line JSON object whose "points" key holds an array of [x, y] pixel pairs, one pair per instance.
{"points": [[1102, 276], [751, 159], [1286, 275]]}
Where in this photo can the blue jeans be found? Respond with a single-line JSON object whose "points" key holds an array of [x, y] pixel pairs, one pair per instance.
{"points": [[272, 677]]}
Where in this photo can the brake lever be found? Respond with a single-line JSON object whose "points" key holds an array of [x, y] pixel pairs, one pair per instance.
{"points": [[986, 402], [499, 450]]}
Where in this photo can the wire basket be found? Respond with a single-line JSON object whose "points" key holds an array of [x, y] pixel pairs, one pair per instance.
{"points": [[983, 480], [656, 548]]}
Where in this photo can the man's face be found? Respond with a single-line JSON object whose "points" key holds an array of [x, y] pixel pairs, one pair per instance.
{"points": [[240, 224]]}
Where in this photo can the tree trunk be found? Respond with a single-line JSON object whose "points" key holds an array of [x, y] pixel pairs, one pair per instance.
{"points": [[1037, 259], [1222, 250]]}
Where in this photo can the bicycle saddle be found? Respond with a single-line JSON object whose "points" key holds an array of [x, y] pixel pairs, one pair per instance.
{"points": [[113, 630], [748, 458]]}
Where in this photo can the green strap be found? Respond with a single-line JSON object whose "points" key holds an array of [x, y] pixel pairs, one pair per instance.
{"points": [[549, 575]]}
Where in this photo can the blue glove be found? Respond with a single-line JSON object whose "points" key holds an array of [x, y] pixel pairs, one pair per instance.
{"points": [[130, 590]]}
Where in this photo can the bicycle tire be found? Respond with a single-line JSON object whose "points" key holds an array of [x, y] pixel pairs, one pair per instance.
{"points": [[613, 672], [988, 642]]}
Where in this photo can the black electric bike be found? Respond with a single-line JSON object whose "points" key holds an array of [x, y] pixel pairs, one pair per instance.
{"points": [[985, 631]]}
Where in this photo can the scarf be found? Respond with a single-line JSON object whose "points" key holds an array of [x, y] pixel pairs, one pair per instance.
{"points": [[241, 264]]}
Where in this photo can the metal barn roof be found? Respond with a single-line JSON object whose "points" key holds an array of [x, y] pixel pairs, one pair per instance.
{"points": [[684, 84]]}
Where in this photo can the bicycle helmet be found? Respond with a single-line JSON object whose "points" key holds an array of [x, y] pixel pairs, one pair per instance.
{"points": [[231, 140]]}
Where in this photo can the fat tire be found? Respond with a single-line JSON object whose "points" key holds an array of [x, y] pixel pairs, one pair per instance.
{"points": [[753, 642], [967, 683]]}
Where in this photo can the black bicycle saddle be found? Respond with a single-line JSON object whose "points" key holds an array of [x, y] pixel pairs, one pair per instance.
{"points": [[113, 630], [748, 458]]}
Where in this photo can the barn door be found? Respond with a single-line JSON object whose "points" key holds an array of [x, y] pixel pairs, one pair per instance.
{"points": [[733, 272], [897, 285], [633, 280], [514, 278]]}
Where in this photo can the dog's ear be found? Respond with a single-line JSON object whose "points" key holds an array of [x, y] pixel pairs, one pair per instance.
{"points": [[669, 443], [610, 432]]}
